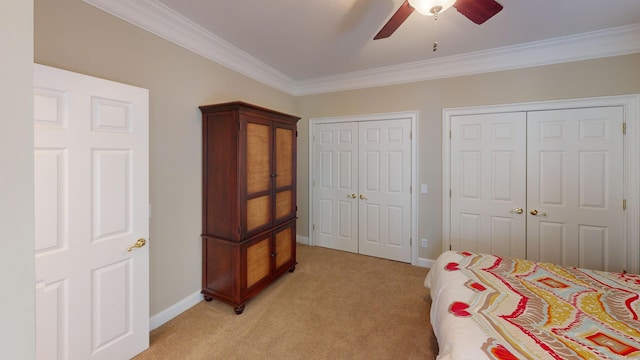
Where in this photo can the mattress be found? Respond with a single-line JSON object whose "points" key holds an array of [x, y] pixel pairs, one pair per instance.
{"points": [[490, 307]]}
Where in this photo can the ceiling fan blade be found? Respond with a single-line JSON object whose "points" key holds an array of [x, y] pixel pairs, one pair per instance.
{"points": [[478, 11], [396, 20]]}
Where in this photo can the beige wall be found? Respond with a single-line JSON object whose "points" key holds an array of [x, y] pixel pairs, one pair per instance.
{"points": [[610, 76], [17, 268], [72, 35]]}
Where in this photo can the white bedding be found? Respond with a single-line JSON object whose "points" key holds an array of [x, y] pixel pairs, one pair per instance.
{"points": [[450, 330]]}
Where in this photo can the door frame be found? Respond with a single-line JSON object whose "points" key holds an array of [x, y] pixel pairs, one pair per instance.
{"points": [[413, 117], [631, 109]]}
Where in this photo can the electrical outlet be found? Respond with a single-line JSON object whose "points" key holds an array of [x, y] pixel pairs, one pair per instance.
{"points": [[424, 243]]}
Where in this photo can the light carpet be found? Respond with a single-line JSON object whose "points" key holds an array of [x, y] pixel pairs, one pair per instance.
{"points": [[336, 305]]}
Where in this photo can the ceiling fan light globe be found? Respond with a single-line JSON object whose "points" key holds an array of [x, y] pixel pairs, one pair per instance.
{"points": [[431, 7]]}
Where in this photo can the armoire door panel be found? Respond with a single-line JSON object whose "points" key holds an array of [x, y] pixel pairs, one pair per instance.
{"points": [[258, 212], [284, 174], [285, 250], [258, 158], [258, 261], [284, 156], [284, 203]]}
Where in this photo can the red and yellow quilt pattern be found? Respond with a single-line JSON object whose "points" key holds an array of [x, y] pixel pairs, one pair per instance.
{"points": [[530, 310]]}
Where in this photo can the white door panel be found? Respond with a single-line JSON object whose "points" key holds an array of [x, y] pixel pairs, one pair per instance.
{"points": [[575, 172], [569, 163], [488, 185], [91, 194], [336, 186], [384, 184], [361, 185]]}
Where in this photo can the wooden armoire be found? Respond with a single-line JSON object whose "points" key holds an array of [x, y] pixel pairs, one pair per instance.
{"points": [[248, 200]]}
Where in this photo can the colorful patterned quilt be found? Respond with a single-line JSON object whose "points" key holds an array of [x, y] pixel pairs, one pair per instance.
{"points": [[489, 307]]}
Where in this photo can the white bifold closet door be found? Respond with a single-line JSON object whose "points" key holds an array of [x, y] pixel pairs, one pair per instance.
{"points": [[542, 185], [362, 187]]}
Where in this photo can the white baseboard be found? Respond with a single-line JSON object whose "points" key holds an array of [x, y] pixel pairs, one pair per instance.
{"points": [[174, 310], [424, 262], [302, 239]]}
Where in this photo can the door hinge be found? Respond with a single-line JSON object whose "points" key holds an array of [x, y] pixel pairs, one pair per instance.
{"points": [[449, 134], [313, 227], [410, 242], [410, 134], [449, 192], [624, 204], [410, 189], [296, 133], [624, 128]]}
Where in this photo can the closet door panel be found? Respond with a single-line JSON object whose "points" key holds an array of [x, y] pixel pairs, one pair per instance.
{"points": [[335, 186], [384, 185], [575, 183], [488, 183]]}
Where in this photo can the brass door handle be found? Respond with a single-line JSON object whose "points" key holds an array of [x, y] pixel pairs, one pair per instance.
{"points": [[517, 211], [362, 197], [140, 243], [536, 213], [352, 196]]}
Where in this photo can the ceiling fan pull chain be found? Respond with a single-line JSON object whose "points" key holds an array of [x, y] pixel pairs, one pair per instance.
{"points": [[435, 36]]}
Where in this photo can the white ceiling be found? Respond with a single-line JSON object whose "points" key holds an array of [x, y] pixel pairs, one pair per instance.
{"points": [[304, 46]]}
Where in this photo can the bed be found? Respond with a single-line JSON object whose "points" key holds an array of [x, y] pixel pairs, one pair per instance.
{"points": [[490, 307]]}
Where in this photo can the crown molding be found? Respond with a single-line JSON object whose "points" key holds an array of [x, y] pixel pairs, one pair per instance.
{"points": [[604, 43], [158, 19]]}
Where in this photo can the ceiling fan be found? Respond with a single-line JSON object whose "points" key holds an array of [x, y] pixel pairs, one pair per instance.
{"points": [[477, 11]]}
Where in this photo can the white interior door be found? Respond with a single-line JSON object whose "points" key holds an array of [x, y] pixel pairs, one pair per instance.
{"points": [[91, 203], [575, 188], [562, 168], [488, 183], [362, 187], [385, 189], [336, 186]]}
